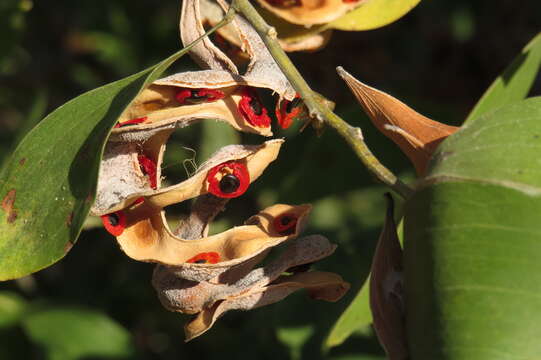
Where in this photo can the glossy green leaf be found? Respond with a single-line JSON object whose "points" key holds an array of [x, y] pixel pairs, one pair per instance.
{"points": [[514, 83], [48, 186], [373, 14], [12, 307], [356, 315], [68, 334], [472, 239]]}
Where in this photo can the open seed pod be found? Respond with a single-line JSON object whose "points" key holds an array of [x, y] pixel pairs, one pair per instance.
{"points": [[212, 13], [244, 289], [310, 12], [130, 172], [182, 99], [145, 236], [261, 72]]}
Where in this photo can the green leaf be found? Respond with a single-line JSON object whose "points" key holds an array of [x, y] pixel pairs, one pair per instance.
{"points": [[356, 315], [77, 333], [295, 338], [514, 83], [47, 188], [373, 14], [472, 239], [12, 307]]}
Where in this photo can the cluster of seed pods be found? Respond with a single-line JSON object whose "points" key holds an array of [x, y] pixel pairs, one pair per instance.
{"points": [[197, 273]]}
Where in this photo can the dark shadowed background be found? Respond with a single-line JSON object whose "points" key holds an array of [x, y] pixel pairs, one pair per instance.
{"points": [[97, 303]]}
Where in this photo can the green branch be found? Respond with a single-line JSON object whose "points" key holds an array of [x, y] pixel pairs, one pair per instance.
{"points": [[319, 111]]}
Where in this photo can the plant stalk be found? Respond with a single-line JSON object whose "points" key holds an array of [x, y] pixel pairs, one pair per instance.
{"points": [[319, 111]]}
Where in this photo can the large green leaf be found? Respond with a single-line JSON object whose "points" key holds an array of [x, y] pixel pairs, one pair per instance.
{"points": [[472, 239], [48, 186], [514, 83], [68, 334]]}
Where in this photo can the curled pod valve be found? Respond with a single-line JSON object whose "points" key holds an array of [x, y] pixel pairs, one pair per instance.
{"points": [[228, 180]]}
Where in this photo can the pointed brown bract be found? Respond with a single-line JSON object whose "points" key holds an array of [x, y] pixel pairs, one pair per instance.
{"points": [[417, 135], [386, 290]]}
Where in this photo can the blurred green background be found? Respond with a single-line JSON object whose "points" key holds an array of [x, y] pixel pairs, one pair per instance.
{"points": [[97, 303]]}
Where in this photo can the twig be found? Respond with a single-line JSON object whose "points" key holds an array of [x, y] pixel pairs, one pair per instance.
{"points": [[319, 111]]}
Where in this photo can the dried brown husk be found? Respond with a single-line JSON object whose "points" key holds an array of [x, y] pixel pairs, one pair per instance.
{"points": [[212, 13], [320, 285], [147, 237], [246, 289], [310, 12], [261, 72], [417, 135], [163, 112], [121, 181], [386, 290], [312, 42]]}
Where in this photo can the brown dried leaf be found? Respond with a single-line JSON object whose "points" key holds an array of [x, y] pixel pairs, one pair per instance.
{"points": [[309, 12], [386, 290], [417, 135]]}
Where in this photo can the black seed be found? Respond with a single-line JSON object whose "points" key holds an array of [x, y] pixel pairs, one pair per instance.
{"points": [[195, 98], [286, 220], [293, 104], [200, 261], [113, 219], [256, 106], [229, 183]]}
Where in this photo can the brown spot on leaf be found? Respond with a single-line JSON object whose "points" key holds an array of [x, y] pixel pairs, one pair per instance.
{"points": [[69, 219], [67, 247], [8, 206], [22, 161]]}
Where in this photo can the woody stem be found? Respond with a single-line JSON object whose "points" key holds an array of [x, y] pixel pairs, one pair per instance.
{"points": [[318, 110]]}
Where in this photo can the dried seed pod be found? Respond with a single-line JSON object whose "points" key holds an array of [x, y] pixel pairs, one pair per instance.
{"points": [[309, 43], [178, 294], [320, 285], [417, 135], [182, 99], [147, 238], [121, 181], [310, 12], [261, 72]]}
